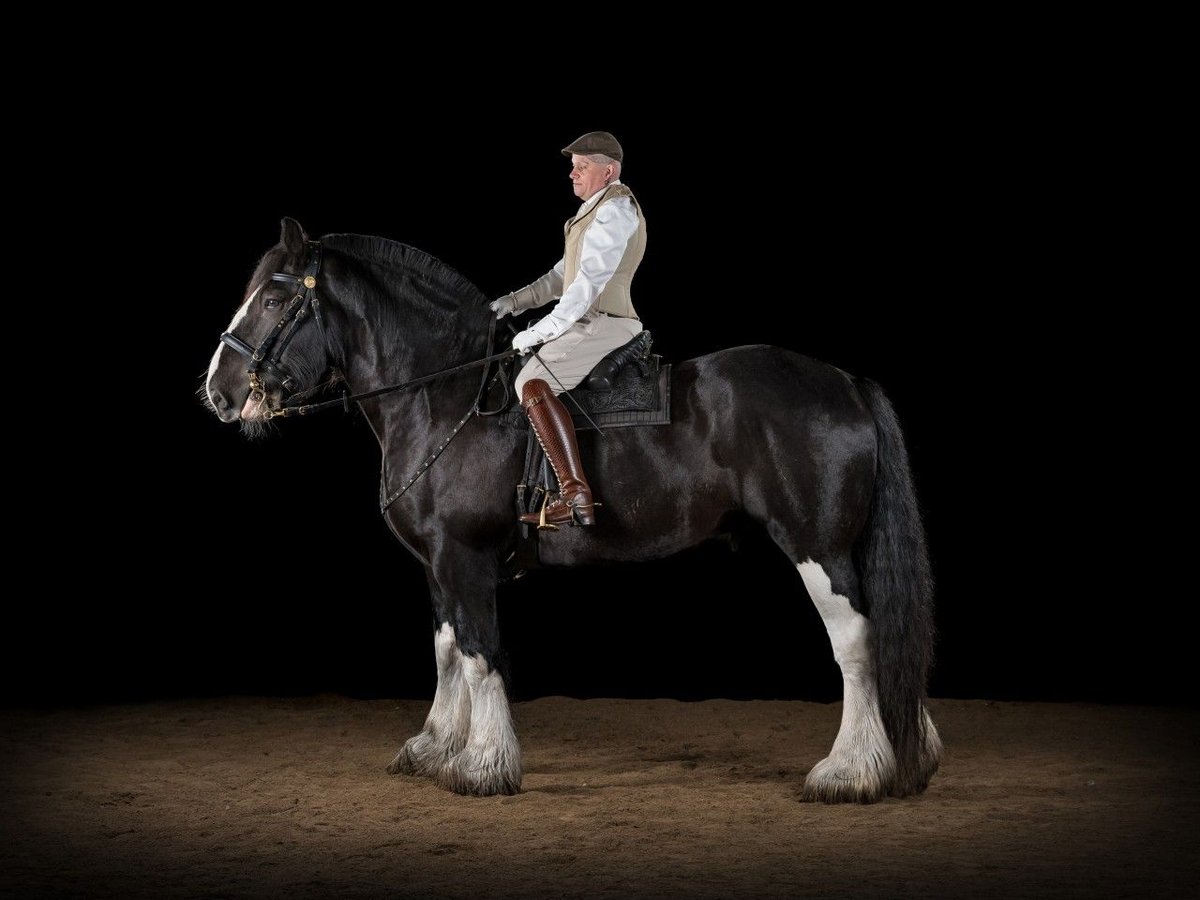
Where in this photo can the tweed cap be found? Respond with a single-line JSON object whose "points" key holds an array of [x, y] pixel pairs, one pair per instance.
{"points": [[595, 142]]}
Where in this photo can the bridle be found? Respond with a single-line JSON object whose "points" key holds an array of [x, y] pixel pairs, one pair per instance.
{"points": [[269, 355]]}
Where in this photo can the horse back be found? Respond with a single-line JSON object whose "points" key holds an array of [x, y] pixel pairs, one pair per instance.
{"points": [[760, 385]]}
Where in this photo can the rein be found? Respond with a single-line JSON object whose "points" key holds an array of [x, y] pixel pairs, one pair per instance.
{"points": [[346, 399]]}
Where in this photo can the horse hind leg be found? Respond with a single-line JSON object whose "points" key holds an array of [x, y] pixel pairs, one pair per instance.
{"points": [[931, 750], [861, 767], [448, 723]]}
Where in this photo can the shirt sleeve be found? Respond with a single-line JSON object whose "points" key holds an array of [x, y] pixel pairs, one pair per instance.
{"points": [[604, 244]]}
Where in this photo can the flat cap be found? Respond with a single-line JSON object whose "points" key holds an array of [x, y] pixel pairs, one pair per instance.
{"points": [[595, 142]]}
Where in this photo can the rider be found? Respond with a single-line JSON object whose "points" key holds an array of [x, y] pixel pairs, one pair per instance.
{"points": [[605, 241]]}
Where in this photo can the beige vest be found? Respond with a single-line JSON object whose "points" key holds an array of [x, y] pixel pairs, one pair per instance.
{"points": [[614, 299]]}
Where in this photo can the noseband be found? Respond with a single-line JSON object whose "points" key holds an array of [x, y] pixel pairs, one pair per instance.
{"points": [[269, 355]]}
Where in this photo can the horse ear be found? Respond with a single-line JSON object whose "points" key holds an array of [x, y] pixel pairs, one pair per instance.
{"points": [[291, 235]]}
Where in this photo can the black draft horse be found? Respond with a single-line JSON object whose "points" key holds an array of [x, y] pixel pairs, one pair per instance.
{"points": [[813, 454]]}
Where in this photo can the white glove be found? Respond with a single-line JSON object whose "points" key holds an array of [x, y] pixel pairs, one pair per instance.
{"points": [[526, 339], [505, 306]]}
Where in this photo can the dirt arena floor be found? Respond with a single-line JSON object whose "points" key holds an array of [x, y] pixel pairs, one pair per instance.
{"points": [[270, 797]]}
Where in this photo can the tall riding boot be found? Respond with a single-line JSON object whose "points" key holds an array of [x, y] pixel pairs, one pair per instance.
{"points": [[554, 429]]}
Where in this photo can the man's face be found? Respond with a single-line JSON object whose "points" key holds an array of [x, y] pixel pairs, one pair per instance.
{"points": [[588, 177]]}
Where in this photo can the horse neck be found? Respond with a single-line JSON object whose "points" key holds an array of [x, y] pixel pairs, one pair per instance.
{"points": [[398, 322], [375, 360]]}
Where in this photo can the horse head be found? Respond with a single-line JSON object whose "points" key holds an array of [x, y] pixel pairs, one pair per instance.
{"points": [[276, 346]]}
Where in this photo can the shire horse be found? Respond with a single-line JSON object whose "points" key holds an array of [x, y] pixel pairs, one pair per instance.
{"points": [[812, 454]]}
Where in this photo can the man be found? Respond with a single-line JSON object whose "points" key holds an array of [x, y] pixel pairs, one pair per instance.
{"points": [[605, 241]]}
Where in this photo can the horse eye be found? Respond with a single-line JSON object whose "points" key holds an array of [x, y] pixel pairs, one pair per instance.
{"points": [[271, 302]]}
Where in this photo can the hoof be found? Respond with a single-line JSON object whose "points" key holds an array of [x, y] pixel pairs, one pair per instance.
{"points": [[475, 774], [421, 755], [915, 781], [402, 763], [834, 780]]}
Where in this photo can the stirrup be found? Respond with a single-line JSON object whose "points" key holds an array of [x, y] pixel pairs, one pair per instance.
{"points": [[543, 525]]}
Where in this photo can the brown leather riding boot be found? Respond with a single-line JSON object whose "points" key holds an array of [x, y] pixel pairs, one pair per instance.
{"points": [[554, 429]]}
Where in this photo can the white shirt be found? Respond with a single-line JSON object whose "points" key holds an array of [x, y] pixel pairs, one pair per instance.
{"points": [[604, 244]]}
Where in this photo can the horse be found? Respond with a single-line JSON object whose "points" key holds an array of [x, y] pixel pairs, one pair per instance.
{"points": [[812, 454]]}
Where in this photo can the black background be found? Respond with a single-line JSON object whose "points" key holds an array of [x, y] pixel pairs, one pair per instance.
{"points": [[905, 240]]}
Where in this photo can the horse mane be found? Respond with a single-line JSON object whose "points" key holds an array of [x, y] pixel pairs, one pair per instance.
{"points": [[446, 284], [417, 290]]}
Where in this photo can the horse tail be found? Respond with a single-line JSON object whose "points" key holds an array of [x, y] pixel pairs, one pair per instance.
{"points": [[893, 566]]}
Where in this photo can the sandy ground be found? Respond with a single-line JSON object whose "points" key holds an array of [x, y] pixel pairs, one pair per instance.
{"points": [[288, 798]]}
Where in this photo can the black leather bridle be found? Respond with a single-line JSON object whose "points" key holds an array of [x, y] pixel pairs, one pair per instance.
{"points": [[269, 355], [269, 358]]}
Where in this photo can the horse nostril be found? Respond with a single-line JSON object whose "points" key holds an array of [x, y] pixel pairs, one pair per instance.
{"points": [[220, 401]]}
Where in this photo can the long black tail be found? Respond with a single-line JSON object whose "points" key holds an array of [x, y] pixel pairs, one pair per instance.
{"points": [[893, 566]]}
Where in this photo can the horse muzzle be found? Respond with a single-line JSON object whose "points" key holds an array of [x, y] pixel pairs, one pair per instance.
{"points": [[261, 403]]}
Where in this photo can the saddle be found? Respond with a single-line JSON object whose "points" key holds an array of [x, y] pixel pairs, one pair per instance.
{"points": [[629, 387]]}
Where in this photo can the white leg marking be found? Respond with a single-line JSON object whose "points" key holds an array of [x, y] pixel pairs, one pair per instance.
{"points": [[446, 726], [932, 753], [490, 763], [451, 710], [861, 766]]}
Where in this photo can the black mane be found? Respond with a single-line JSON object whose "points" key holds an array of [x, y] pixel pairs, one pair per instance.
{"points": [[447, 284]]}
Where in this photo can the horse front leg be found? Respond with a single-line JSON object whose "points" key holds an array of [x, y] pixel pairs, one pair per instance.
{"points": [[448, 723], [490, 763], [487, 757]]}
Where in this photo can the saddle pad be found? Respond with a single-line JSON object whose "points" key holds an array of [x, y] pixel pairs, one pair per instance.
{"points": [[632, 401]]}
